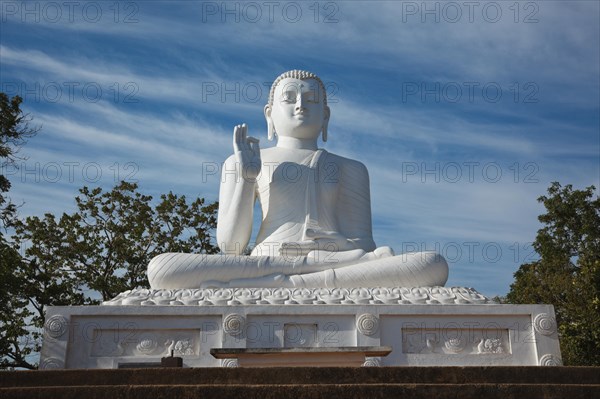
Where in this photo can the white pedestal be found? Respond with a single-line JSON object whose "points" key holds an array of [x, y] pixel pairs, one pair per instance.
{"points": [[430, 326]]}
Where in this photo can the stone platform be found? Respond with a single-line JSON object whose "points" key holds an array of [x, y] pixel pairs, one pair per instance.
{"points": [[311, 382], [430, 326]]}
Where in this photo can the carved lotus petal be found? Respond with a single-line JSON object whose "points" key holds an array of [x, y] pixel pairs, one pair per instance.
{"points": [[360, 295], [177, 294], [416, 295], [162, 297], [303, 296], [194, 297], [387, 298], [443, 295], [184, 294], [329, 296], [469, 294], [343, 292], [135, 297], [246, 296], [277, 296], [380, 291], [221, 296]]}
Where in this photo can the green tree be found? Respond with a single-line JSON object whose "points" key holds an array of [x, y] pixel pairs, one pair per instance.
{"points": [[104, 247], [14, 313], [15, 334], [14, 132], [97, 252], [567, 274]]}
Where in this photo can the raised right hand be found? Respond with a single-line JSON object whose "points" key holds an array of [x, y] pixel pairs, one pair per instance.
{"points": [[247, 152]]}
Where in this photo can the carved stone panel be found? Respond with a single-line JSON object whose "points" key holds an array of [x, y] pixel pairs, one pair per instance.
{"points": [[127, 343], [300, 335], [452, 341]]}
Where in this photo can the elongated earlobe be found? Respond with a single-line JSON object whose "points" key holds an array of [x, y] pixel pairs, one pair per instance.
{"points": [[270, 131], [325, 123], [270, 128]]}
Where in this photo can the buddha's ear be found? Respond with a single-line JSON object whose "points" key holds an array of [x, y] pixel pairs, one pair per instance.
{"points": [[326, 115], [270, 128]]}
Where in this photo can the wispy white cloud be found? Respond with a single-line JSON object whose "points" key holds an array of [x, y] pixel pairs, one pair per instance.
{"points": [[176, 128]]}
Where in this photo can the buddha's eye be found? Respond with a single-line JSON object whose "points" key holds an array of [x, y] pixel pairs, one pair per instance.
{"points": [[311, 97], [289, 96]]}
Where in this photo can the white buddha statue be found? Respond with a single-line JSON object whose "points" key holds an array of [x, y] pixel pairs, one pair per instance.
{"points": [[316, 211]]}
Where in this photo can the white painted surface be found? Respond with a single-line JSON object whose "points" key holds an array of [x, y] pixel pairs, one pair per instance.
{"points": [[316, 211], [435, 334]]}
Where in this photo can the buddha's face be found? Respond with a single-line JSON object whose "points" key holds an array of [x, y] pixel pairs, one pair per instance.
{"points": [[298, 109]]}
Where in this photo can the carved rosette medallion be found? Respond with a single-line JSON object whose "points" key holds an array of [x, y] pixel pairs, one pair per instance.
{"points": [[372, 362], [234, 324], [146, 346], [550, 360], [367, 324], [455, 345], [51, 364], [229, 363], [55, 326], [544, 324]]}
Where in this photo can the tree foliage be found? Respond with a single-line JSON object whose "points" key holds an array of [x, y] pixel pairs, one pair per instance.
{"points": [[92, 254], [97, 252], [106, 245], [15, 334], [14, 313], [567, 274], [14, 132]]}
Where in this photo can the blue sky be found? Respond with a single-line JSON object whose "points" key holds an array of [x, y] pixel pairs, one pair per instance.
{"points": [[463, 114]]}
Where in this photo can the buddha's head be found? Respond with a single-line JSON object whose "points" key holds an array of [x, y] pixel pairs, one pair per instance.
{"points": [[297, 106]]}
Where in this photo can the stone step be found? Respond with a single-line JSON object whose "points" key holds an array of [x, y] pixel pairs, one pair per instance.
{"points": [[303, 376], [308, 391]]}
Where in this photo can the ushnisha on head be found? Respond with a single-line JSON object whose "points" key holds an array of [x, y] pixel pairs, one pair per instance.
{"points": [[297, 106]]}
